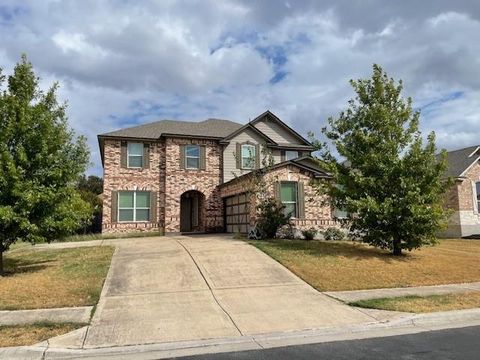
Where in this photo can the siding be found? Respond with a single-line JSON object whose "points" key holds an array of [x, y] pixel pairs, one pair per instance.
{"points": [[229, 159], [276, 132]]}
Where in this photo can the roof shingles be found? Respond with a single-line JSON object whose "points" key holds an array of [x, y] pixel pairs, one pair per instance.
{"points": [[216, 128]]}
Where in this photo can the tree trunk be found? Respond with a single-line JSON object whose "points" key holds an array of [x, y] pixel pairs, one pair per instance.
{"points": [[397, 249]]}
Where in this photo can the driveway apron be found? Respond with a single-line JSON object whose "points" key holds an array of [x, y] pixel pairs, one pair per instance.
{"points": [[202, 287]]}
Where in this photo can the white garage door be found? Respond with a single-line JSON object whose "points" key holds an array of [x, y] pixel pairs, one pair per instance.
{"points": [[237, 215]]}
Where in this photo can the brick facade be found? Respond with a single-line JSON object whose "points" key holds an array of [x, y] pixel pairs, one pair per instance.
{"points": [[461, 198], [318, 213], [205, 181], [117, 178], [164, 177]]}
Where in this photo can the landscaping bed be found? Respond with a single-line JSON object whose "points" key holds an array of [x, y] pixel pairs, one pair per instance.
{"points": [[20, 335], [38, 279], [423, 304], [345, 265]]}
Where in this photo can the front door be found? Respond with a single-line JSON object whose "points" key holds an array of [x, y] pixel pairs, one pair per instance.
{"points": [[190, 211]]}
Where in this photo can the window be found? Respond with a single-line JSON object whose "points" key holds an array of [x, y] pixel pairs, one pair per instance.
{"points": [[135, 155], [248, 156], [192, 157], [133, 206], [289, 197], [477, 187], [291, 154]]}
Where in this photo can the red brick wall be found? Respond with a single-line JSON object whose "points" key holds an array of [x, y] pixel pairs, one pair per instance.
{"points": [[206, 181], [169, 181], [318, 213], [117, 178]]}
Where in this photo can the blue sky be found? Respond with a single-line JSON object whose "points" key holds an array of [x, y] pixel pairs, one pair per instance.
{"points": [[122, 63]]}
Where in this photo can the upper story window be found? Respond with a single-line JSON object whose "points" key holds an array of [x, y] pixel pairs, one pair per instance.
{"points": [[289, 197], [133, 206], [192, 156], [477, 187], [291, 154], [248, 156], [134, 155]]}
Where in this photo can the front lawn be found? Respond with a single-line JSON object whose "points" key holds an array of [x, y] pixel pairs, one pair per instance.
{"points": [[423, 304], [335, 266], [20, 335], [53, 278]]}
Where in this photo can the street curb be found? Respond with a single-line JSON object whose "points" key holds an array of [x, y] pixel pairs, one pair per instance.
{"points": [[415, 323]]}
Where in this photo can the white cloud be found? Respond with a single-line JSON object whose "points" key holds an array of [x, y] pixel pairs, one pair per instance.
{"points": [[123, 62]]}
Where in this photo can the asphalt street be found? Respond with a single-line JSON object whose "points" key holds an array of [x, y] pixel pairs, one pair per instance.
{"points": [[462, 344]]}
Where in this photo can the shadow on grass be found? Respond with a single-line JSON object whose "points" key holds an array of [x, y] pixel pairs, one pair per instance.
{"points": [[351, 250], [15, 266]]}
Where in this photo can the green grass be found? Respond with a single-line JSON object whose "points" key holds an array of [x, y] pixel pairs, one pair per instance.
{"points": [[21, 335], [51, 278], [423, 304]]}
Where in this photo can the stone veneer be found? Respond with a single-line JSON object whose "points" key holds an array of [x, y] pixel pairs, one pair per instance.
{"points": [[168, 180], [461, 198], [318, 214]]}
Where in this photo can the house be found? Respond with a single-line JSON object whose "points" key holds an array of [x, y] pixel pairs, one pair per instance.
{"points": [[180, 176], [464, 196]]}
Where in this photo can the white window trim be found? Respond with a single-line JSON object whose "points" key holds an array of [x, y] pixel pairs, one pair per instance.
{"points": [[128, 156], [291, 202], [192, 157], [254, 152], [134, 207]]}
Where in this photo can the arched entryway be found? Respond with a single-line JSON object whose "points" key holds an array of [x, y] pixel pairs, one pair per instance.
{"points": [[191, 214]]}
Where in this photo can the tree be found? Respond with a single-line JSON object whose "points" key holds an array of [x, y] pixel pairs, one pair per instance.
{"points": [[270, 214], [391, 184], [40, 161], [89, 189]]}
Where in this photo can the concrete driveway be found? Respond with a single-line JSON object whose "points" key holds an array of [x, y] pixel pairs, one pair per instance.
{"points": [[202, 287]]}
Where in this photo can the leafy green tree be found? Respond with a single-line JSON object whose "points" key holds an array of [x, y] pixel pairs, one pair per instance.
{"points": [[90, 188], [40, 161], [391, 183]]}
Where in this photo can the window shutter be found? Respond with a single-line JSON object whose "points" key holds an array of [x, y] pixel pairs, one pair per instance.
{"points": [[123, 154], [282, 155], [203, 159], [238, 156], [182, 156], [114, 206], [153, 206], [276, 191], [301, 200], [146, 156], [257, 156]]}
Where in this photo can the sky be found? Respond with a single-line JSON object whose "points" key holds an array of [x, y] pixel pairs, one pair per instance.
{"points": [[121, 63]]}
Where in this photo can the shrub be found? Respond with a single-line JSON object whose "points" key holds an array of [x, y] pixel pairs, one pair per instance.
{"points": [[271, 217], [334, 234], [309, 234]]}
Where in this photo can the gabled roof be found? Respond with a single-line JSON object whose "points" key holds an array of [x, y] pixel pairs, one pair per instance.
{"points": [[304, 162], [226, 139], [459, 161], [212, 128], [275, 118]]}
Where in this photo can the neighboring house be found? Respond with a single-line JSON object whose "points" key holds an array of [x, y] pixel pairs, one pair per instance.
{"points": [[181, 176], [464, 196]]}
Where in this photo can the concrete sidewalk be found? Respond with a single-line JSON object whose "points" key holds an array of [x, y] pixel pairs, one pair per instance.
{"points": [[57, 315], [357, 295], [411, 324]]}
